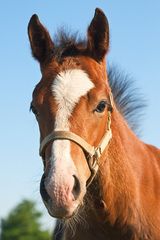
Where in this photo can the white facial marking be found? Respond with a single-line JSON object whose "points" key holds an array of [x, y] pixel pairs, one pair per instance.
{"points": [[67, 88]]}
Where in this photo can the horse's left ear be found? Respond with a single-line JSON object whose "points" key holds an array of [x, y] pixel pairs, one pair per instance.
{"points": [[40, 40], [98, 36]]}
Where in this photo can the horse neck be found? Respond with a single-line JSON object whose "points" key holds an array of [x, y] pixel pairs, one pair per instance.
{"points": [[118, 174]]}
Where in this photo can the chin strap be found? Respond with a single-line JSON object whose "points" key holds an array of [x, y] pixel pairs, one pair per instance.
{"points": [[93, 153]]}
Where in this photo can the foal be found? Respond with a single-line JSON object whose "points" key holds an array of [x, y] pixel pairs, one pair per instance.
{"points": [[99, 178]]}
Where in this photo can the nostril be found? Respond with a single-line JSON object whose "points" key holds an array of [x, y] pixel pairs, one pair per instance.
{"points": [[76, 188], [43, 191]]}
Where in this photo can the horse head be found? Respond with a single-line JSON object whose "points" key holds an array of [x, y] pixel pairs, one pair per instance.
{"points": [[72, 104]]}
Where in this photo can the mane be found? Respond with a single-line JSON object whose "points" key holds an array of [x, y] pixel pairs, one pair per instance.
{"points": [[127, 97]]}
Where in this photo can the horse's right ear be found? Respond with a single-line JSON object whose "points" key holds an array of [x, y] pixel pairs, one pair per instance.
{"points": [[40, 40]]}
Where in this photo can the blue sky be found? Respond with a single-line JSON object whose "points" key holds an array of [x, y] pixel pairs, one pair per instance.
{"points": [[135, 47]]}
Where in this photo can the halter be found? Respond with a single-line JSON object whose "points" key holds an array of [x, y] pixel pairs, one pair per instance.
{"points": [[93, 153]]}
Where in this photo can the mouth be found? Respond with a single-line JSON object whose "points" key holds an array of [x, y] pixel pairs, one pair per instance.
{"points": [[59, 213], [62, 213]]}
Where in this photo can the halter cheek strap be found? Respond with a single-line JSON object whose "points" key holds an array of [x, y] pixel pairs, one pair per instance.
{"points": [[93, 153]]}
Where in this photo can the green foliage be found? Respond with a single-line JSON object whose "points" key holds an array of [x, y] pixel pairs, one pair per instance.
{"points": [[23, 223]]}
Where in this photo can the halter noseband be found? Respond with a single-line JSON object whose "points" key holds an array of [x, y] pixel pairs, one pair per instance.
{"points": [[93, 153]]}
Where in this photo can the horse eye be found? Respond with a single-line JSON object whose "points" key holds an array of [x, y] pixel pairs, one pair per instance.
{"points": [[34, 110], [101, 107]]}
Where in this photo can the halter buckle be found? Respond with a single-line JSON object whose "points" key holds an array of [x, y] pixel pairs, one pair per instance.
{"points": [[98, 152]]}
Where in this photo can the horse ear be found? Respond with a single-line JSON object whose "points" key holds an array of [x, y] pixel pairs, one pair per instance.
{"points": [[98, 36], [41, 43]]}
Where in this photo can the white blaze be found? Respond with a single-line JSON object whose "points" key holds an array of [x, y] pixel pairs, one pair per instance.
{"points": [[68, 87]]}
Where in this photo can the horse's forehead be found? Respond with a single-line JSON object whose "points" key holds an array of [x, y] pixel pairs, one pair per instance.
{"points": [[70, 85], [70, 80], [67, 88]]}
